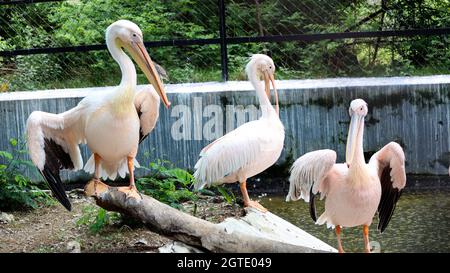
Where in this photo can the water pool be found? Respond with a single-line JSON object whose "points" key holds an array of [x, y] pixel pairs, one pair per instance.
{"points": [[421, 223]]}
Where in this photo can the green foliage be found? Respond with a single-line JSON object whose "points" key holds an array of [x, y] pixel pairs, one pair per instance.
{"points": [[16, 190], [167, 184], [97, 218], [227, 194], [83, 22]]}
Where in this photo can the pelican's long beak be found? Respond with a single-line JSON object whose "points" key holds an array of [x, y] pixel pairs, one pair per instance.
{"points": [[353, 131], [140, 55], [269, 78]]}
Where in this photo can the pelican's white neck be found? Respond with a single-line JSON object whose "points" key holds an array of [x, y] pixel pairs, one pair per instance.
{"points": [[358, 157], [126, 65], [266, 107], [358, 167]]}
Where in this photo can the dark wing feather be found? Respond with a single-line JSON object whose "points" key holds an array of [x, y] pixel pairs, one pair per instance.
{"points": [[147, 104], [389, 198], [312, 205], [56, 159], [390, 165], [142, 136]]}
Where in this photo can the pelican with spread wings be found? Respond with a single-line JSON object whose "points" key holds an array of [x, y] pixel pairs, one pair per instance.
{"points": [[354, 190], [111, 123]]}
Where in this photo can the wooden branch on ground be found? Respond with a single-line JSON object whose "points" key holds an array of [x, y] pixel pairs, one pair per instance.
{"points": [[177, 225]]}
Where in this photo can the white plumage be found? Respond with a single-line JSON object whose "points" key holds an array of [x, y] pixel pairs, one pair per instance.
{"points": [[234, 156], [307, 173], [390, 156], [250, 148], [354, 191], [111, 123]]}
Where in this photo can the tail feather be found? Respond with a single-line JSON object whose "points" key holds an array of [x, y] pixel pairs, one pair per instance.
{"points": [[110, 170], [201, 174], [324, 219], [198, 185]]}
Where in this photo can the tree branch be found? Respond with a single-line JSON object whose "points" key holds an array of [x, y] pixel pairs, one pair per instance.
{"points": [[177, 225]]}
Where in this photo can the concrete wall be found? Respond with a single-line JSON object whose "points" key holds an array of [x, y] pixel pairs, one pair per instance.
{"points": [[414, 111]]}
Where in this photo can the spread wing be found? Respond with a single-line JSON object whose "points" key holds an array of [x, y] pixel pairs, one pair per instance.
{"points": [[307, 174], [53, 145], [390, 165], [147, 104]]}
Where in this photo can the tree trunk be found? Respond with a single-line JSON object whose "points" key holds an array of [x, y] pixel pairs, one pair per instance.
{"points": [[177, 225], [377, 44], [258, 18]]}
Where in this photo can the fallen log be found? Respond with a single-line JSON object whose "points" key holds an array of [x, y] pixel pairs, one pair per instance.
{"points": [[177, 225]]}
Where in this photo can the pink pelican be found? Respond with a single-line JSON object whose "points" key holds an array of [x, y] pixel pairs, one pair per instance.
{"points": [[252, 147], [112, 123], [354, 190]]}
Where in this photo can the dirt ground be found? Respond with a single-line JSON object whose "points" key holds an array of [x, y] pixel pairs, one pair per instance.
{"points": [[54, 229]]}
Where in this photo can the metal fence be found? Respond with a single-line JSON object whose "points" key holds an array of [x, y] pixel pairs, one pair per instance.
{"points": [[60, 44]]}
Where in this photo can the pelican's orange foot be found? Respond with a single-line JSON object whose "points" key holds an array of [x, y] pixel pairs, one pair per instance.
{"points": [[256, 205], [131, 192]]}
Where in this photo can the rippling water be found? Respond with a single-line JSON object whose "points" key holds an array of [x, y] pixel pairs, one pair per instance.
{"points": [[421, 223]]}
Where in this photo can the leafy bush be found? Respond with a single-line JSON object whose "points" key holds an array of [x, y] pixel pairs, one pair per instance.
{"points": [[97, 218], [71, 23], [16, 190], [167, 184]]}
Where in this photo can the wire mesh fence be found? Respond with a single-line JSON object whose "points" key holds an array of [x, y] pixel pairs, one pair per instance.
{"points": [[64, 24]]}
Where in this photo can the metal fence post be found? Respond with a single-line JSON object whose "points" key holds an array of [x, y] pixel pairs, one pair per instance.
{"points": [[223, 40]]}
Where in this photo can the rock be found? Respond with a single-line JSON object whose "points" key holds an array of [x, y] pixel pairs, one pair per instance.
{"points": [[141, 242], [6, 218], [73, 247], [77, 191], [178, 247], [375, 247], [73, 196]]}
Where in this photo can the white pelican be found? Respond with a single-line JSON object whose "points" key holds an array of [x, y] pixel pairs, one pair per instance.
{"points": [[354, 190], [252, 147], [112, 123]]}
